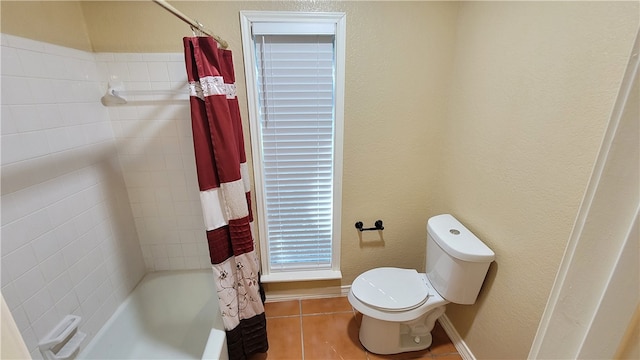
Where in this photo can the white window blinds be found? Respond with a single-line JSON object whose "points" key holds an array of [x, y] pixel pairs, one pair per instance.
{"points": [[295, 81]]}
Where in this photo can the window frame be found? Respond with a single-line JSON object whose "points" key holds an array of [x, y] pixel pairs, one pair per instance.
{"points": [[338, 19]]}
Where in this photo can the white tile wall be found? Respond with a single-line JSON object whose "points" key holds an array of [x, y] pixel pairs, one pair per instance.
{"points": [[69, 243], [155, 147]]}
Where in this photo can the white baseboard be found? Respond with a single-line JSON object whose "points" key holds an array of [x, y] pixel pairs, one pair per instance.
{"points": [[456, 339], [319, 293]]}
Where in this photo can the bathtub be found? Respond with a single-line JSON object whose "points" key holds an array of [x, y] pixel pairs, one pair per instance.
{"points": [[169, 315]]}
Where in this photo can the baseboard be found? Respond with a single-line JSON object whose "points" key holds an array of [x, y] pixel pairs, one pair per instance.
{"points": [[317, 293], [456, 339]]}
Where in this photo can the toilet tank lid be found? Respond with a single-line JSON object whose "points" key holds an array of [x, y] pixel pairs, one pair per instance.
{"points": [[457, 240]]}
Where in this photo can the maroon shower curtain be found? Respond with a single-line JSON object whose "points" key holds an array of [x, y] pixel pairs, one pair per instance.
{"points": [[224, 194]]}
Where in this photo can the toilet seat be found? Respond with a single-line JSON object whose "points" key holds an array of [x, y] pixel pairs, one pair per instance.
{"points": [[391, 289]]}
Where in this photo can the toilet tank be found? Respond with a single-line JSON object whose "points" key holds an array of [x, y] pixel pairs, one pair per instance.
{"points": [[457, 261]]}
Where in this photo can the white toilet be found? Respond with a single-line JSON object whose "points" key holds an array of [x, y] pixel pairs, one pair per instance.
{"points": [[400, 306]]}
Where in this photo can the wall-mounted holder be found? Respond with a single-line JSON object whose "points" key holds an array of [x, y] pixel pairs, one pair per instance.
{"points": [[377, 224], [63, 342], [114, 95]]}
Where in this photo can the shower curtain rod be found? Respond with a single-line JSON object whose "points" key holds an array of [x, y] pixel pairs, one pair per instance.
{"points": [[193, 23]]}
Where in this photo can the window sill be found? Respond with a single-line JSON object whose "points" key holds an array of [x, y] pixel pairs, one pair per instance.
{"points": [[290, 276]]}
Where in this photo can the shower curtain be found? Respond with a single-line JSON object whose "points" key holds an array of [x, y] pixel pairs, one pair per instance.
{"points": [[223, 179]]}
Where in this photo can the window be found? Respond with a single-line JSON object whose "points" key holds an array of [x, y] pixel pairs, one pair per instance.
{"points": [[294, 64]]}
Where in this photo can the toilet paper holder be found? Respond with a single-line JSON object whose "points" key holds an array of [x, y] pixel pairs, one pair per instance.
{"points": [[377, 226]]}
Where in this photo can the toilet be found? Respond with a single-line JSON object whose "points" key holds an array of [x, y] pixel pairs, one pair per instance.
{"points": [[400, 306]]}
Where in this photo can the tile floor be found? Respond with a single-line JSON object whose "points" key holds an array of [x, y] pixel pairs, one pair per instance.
{"points": [[325, 329]]}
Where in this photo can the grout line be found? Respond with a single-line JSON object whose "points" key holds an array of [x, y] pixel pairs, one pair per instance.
{"points": [[301, 329], [328, 313], [282, 316]]}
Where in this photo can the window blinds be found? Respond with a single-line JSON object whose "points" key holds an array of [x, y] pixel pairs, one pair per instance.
{"points": [[295, 78]]}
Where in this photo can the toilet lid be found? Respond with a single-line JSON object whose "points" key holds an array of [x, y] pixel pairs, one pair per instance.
{"points": [[391, 289]]}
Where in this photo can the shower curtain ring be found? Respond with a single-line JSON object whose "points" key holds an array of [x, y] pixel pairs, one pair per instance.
{"points": [[197, 30]]}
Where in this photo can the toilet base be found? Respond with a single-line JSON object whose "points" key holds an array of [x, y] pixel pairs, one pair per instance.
{"points": [[389, 337]]}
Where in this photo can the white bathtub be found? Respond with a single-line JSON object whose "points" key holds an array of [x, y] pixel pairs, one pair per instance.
{"points": [[169, 315]]}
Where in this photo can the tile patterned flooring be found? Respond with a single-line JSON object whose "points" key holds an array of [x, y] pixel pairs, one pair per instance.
{"points": [[326, 329]]}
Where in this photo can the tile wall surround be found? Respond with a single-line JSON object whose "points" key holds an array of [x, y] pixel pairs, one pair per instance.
{"points": [[69, 243], [155, 147], [92, 197]]}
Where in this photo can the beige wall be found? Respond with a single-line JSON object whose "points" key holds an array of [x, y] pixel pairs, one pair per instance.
{"points": [[390, 115], [533, 87], [12, 345], [599, 278], [629, 347], [508, 150], [57, 22]]}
